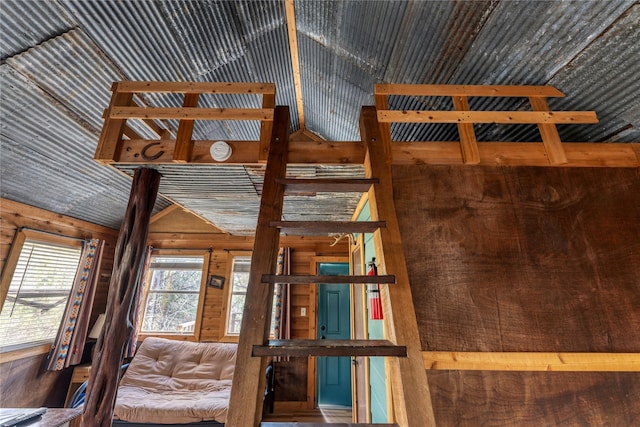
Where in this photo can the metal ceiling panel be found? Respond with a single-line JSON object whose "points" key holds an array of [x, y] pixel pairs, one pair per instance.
{"points": [[47, 158], [25, 24]]}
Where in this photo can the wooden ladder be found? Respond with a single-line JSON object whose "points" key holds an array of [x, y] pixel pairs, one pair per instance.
{"points": [[412, 404]]}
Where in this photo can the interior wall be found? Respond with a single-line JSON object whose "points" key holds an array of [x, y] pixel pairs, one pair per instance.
{"points": [[24, 380], [525, 259], [292, 375]]}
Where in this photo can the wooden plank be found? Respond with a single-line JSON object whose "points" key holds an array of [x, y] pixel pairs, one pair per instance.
{"points": [[411, 396], [123, 289], [466, 90], [292, 30], [165, 212], [110, 142], [314, 228], [196, 87], [468, 143], [549, 132], [184, 144], [268, 101], [579, 154], [305, 348], [191, 113], [10, 265], [245, 405], [311, 279], [330, 185], [505, 117], [528, 361]]}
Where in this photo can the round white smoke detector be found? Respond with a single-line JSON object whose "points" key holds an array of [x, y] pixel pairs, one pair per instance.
{"points": [[220, 151]]}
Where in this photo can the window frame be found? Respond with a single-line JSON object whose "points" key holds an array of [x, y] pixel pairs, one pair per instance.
{"points": [[195, 335], [8, 270], [226, 299]]}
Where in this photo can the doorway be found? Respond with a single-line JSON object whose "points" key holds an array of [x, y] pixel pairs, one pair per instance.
{"points": [[334, 323]]}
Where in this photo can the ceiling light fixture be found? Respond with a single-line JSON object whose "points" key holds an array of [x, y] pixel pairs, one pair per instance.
{"points": [[220, 151]]}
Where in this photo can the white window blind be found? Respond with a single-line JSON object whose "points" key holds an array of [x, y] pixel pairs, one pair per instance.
{"points": [[38, 294]]}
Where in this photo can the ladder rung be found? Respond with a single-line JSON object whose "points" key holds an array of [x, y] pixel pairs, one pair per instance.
{"points": [[309, 279], [297, 424], [304, 348], [308, 228], [328, 185]]}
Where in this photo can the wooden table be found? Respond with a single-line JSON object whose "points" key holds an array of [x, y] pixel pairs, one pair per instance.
{"points": [[54, 417]]}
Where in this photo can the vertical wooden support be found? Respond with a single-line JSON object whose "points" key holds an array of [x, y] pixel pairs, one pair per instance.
{"points": [[184, 143], [266, 127], [110, 142], [411, 396], [549, 132], [247, 390], [123, 290], [468, 143]]}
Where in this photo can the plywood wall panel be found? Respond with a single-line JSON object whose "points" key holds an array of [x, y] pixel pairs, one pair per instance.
{"points": [[522, 258], [474, 398]]}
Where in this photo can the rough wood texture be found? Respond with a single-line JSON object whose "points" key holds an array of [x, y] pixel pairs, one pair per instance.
{"points": [[473, 398], [311, 228], [412, 404], [245, 405], [127, 267], [302, 348], [523, 259], [309, 279]]}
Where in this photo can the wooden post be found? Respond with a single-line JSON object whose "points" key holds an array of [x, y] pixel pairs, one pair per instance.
{"points": [[247, 389], [123, 290], [468, 143], [411, 396]]}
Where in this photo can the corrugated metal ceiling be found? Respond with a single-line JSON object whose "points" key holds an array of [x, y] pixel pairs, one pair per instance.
{"points": [[60, 57]]}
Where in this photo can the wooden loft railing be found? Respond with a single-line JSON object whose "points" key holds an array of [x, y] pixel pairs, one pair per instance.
{"points": [[552, 152], [118, 138]]}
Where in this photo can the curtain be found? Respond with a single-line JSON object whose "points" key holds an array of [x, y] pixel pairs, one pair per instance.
{"points": [[137, 311], [282, 324], [69, 343]]}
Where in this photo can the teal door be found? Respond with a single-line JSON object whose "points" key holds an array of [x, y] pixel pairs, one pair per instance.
{"points": [[334, 323]]}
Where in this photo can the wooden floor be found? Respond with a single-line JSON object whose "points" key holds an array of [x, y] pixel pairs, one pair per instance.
{"points": [[329, 415]]}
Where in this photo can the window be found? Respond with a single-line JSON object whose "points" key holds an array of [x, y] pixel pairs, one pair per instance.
{"points": [[241, 265], [173, 294], [42, 274]]}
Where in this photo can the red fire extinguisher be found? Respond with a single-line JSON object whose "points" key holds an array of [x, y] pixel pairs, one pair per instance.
{"points": [[375, 303]]}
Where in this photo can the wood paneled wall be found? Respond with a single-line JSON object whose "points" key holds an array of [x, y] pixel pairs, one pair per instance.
{"points": [[23, 380], [292, 375], [525, 259]]}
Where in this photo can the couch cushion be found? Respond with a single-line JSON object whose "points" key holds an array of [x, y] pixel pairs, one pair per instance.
{"points": [[177, 381]]}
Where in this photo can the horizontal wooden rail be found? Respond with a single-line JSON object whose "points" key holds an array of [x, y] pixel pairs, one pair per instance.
{"points": [[579, 154], [196, 87], [191, 113], [507, 117], [532, 361], [466, 90]]}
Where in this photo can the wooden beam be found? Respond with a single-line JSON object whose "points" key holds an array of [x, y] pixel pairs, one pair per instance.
{"points": [[184, 144], [579, 154], [411, 396], [165, 212], [305, 348], [123, 290], [466, 90], [504, 117], [549, 132], [191, 113], [266, 127], [245, 405], [196, 87], [527, 361], [468, 143], [110, 142], [295, 60]]}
